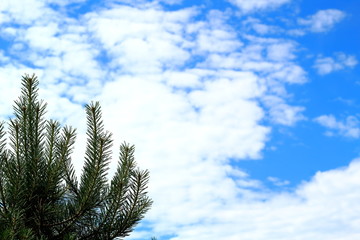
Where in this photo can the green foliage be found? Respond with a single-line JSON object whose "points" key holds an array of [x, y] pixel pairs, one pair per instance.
{"points": [[40, 195]]}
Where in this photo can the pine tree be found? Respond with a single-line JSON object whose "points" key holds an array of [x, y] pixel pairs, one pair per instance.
{"points": [[40, 195]]}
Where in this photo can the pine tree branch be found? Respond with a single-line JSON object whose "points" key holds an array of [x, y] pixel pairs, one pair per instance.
{"points": [[93, 179], [65, 148], [4, 209], [97, 156], [117, 194], [138, 204], [134, 197], [40, 197]]}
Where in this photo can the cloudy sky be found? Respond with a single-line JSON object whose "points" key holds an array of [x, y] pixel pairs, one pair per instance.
{"points": [[246, 112]]}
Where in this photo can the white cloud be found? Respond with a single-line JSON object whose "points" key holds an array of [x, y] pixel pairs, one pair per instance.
{"points": [[278, 182], [188, 107], [208, 41], [161, 47], [185, 121], [3, 57], [9, 77], [64, 2], [282, 113], [272, 58], [323, 208], [290, 73], [323, 20], [260, 27], [326, 65], [281, 51], [250, 5], [215, 36], [23, 12], [183, 79], [348, 128]]}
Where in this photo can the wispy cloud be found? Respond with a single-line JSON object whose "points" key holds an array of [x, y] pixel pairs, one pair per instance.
{"points": [[323, 20], [349, 127], [326, 65], [24, 12], [278, 182], [259, 27], [282, 113], [250, 5]]}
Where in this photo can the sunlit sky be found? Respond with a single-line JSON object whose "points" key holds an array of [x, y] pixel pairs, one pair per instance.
{"points": [[245, 112]]}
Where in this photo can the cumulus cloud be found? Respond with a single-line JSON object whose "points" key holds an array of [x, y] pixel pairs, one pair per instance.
{"points": [[259, 27], [282, 113], [270, 57], [23, 12], [9, 77], [323, 20], [326, 65], [323, 208], [281, 51], [250, 5], [127, 47], [348, 127], [191, 94]]}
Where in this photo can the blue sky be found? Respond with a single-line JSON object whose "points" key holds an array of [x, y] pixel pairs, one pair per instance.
{"points": [[245, 112]]}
